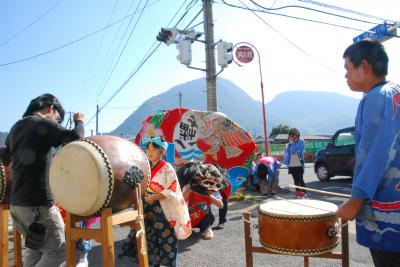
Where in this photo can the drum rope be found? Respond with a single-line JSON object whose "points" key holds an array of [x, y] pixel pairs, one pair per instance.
{"points": [[3, 182], [109, 170], [140, 234]]}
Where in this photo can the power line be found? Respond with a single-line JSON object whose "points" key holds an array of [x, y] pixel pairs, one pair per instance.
{"points": [[30, 24], [125, 82], [311, 9], [105, 66], [96, 53], [292, 17], [147, 104], [133, 73], [287, 39], [346, 10], [123, 49], [70, 43]]}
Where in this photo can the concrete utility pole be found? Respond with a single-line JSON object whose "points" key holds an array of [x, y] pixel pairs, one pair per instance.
{"points": [[210, 56], [180, 100]]}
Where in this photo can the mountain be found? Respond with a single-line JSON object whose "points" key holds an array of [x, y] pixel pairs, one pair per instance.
{"points": [[309, 111]]}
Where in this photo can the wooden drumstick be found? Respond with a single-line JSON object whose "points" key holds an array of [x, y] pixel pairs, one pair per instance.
{"points": [[319, 191]]}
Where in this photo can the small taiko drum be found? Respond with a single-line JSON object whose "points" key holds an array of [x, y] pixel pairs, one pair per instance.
{"points": [[91, 174], [302, 227], [5, 175]]}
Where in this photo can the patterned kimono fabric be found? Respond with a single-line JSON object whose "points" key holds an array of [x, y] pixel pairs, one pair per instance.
{"points": [[166, 221]]}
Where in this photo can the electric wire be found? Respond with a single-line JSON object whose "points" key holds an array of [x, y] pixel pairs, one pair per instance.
{"points": [[133, 73], [108, 58], [311, 9], [288, 40], [30, 24], [124, 47], [71, 42], [80, 91], [347, 10], [294, 17]]}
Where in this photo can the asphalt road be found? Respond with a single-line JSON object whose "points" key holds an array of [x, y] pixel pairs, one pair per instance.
{"points": [[227, 248]]}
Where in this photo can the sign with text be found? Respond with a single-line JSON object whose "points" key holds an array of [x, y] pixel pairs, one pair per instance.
{"points": [[244, 54], [380, 32]]}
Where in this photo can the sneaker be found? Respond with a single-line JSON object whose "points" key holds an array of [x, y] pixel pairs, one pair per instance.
{"points": [[297, 194], [208, 234], [305, 195]]}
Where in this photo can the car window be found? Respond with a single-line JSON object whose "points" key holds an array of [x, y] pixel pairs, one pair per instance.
{"points": [[345, 139]]}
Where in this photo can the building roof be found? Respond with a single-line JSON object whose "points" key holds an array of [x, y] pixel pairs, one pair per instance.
{"points": [[284, 137]]}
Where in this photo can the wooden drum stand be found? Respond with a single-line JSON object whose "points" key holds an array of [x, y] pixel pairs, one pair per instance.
{"points": [[104, 235], [4, 216], [343, 255]]}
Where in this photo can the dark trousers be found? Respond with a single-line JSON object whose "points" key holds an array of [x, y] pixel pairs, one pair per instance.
{"points": [[207, 221], [385, 258], [223, 211], [297, 174]]}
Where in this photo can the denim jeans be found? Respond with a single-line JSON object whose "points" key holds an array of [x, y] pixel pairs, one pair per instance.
{"points": [[53, 251]]}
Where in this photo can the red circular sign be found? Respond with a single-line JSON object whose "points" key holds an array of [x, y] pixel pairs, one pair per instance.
{"points": [[244, 54]]}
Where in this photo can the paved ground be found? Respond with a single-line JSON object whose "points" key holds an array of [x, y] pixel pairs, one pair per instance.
{"points": [[227, 247]]}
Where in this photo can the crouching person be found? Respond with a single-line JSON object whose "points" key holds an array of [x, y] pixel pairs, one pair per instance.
{"points": [[268, 171]]}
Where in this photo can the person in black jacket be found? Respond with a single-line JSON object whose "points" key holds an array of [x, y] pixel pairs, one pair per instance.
{"points": [[30, 142]]}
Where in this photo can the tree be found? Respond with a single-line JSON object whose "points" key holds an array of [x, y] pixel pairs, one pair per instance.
{"points": [[280, 129]]}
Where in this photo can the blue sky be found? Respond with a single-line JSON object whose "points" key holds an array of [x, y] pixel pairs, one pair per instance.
{"points": [[295, 55]]}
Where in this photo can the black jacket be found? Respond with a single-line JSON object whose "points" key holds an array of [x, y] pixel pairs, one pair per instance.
{"points": [[29, 143]]}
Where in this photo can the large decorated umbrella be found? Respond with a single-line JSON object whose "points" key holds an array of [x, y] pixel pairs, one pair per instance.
{"points": [[210, 137]]}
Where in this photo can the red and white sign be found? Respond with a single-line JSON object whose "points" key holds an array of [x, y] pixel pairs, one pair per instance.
{"points": [[244, 54]]}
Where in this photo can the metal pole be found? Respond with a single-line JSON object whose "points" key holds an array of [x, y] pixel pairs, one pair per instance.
{"points": [[263, 105], [210, 56], [262, 94]]}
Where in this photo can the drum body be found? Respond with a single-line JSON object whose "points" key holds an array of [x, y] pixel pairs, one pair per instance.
{"points": [[98, 172], [5, 175], [298, 227]]}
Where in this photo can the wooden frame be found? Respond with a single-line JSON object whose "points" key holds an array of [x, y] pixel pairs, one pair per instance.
{"points": [[343, 255], [104, 235], [4, 216]]}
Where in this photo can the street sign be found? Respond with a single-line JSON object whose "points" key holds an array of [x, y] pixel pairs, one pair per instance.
{"points": [[380, 32], [244, 54]]}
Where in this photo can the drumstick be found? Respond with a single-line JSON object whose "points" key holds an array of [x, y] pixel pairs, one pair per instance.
{"points": [[319, 191]]}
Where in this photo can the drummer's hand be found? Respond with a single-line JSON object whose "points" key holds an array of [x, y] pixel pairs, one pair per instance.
{"points": [[79, 116], [149, 199], [349, 210]]}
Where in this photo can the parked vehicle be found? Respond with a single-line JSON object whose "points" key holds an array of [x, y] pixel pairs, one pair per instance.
{"points": [[338, 156]]}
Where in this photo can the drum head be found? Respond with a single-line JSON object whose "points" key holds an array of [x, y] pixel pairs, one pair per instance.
{"points": [[81, 178], [298, 207]]}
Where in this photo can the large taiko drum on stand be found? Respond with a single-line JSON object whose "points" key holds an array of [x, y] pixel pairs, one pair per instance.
{"points": [[300, 227], [93, 173], [5, 175]]}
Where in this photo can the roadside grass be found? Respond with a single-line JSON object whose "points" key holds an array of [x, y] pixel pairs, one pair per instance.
{"points": [[242, 195]]}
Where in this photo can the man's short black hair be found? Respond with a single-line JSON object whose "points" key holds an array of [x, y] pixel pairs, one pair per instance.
{"points": [[44, 101], [373, 52]]}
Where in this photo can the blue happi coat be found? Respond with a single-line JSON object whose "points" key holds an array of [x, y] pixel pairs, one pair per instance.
{"points": [[377, 170]]}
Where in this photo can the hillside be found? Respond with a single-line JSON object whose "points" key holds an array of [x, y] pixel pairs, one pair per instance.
{"points": [[309, 111]]}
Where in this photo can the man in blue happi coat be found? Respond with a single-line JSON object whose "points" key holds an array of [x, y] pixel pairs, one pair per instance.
{"points": [[375, 196]]}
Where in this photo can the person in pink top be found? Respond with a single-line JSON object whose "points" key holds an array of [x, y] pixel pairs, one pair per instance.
{"points": [[268, 172]]}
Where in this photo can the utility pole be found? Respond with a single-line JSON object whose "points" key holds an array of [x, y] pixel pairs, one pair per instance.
{"points": [[210, 57], [180, 100], [97, 119]]}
